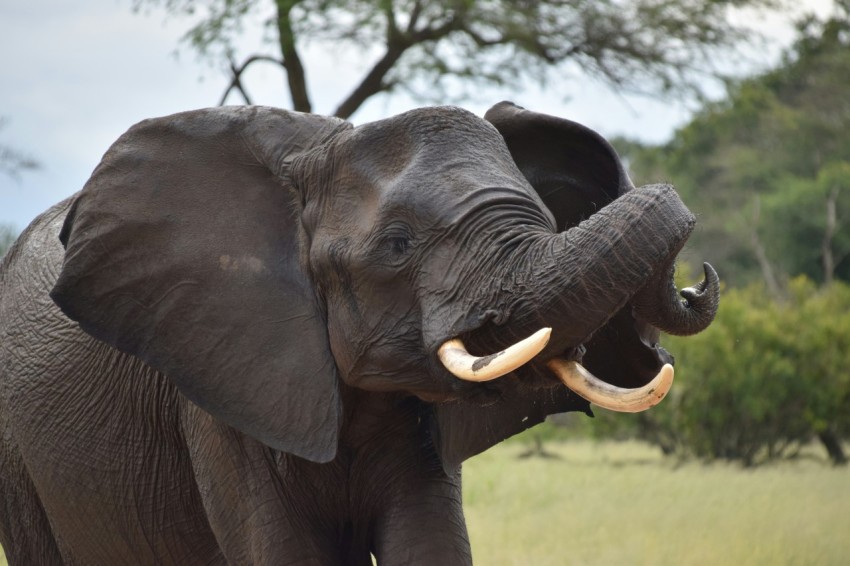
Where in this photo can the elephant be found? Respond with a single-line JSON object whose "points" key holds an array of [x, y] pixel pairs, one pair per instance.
{"points": [[260, 336]]}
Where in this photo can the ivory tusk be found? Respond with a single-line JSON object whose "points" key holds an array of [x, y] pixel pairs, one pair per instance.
{"points": [[465, 366], [608, 396]]}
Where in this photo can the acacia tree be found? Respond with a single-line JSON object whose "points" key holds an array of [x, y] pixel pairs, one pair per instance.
{"points": [[12, 161], [648, 46], [7, 237]]}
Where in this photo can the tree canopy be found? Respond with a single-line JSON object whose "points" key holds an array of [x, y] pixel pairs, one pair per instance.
{"points": [[421, 46], [767, 168], [7, 238], [13, 161]]}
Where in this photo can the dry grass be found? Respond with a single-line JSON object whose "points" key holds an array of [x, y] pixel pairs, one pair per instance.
{"points": [[622, 504]]}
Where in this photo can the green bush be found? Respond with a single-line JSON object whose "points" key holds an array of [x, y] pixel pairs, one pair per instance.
{"points": [[766, 378]]}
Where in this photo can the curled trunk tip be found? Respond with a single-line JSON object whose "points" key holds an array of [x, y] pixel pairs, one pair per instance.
{"points": [[679, 313]]}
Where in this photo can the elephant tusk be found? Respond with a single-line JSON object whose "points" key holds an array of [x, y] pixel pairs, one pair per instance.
{"points": [[467, 367], [608, 396]]}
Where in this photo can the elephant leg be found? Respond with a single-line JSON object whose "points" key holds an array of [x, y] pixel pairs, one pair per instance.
{"points": [[103, 451], [25, 533], [425, 525], [259, 513]]}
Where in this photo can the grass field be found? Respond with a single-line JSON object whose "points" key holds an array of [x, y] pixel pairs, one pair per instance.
{"points": [[621, 504]]}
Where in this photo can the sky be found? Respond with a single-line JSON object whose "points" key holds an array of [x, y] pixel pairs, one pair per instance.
{"points": [[76, 75]]}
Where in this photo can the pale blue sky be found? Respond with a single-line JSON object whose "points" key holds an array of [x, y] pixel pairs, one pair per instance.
{"points": [[76, 75]]}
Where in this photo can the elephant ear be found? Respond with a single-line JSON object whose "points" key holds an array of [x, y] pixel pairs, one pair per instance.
{"points": [[184, 249], [573, 169]]}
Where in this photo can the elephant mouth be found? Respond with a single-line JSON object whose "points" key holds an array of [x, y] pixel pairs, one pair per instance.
{"points": [[470, 368]]}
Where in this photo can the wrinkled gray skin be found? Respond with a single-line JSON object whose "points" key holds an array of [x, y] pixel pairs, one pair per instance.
{"points": [[223, 349]]}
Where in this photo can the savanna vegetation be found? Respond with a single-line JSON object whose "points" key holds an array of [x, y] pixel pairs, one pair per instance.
{"points": [[767, 378], [624, 503], [767, 170], [12, 160]]}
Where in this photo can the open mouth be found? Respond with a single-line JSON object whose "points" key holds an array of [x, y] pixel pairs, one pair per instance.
{"points": [[463, 365]]}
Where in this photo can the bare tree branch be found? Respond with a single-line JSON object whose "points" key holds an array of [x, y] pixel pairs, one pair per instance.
{"points": [[828, 235], [236, 79], [295, 74], [650, 45], [767, 271], [414, 16]]}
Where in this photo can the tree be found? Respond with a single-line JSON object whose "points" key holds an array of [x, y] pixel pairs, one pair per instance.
{"points": [[421, 46], [7, 238], [765, 168], [750, 390], [12, 161], [818, 209]]}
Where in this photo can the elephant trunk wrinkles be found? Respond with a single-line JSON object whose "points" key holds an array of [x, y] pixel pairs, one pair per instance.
{"points": [[681, 313], [577, 280]]}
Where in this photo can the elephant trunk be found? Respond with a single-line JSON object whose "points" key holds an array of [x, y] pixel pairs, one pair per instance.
{"points": [[559, 289], [581, 277], [564, 287], [681, 313], [573, 283]]}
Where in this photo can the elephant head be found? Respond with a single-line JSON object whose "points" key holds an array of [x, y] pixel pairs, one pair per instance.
{"points": [[265, 260]]}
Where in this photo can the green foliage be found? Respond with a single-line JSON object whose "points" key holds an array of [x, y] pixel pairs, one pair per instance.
{"points": [[802, 203], [762, 381], [12, 161], [8, 234], [761, 167], [767, 172]]}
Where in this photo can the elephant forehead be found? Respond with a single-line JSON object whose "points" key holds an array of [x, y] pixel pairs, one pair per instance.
{"points": [[453, 185], [433, 166], [425, 138]]}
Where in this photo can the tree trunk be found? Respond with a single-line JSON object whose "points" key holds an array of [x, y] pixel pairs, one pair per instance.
{"points": [[828, 235], [833, 447], [372, 83], [291, 60], [767, 272]]}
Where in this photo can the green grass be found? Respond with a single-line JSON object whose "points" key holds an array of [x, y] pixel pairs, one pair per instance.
{"points": [[622, 504]]}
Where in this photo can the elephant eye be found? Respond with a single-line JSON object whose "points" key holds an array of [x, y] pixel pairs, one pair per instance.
{"points": [[396, 241], [399, 244]]}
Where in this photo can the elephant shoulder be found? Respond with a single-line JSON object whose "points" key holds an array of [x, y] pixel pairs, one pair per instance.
{"points": [[32, 264]]}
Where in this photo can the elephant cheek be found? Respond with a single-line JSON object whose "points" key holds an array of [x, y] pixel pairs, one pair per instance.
{"points": [[361, 359]]}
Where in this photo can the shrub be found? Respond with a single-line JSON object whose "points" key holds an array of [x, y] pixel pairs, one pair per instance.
{"points": [[763, 380]]}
